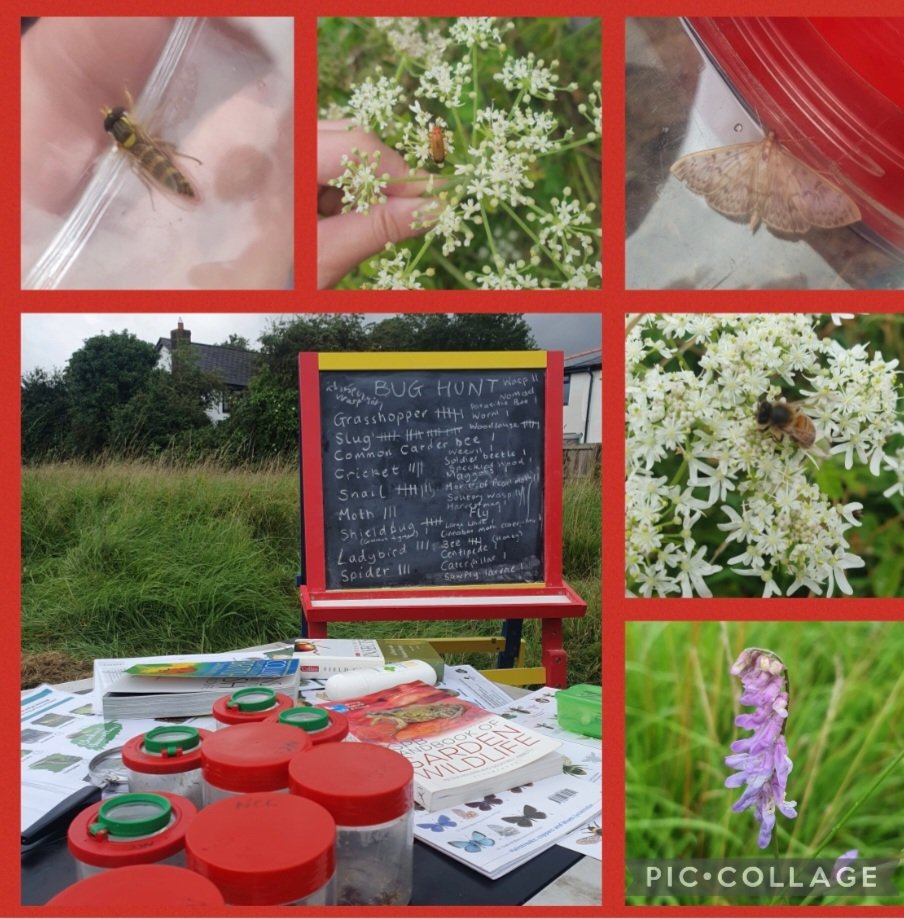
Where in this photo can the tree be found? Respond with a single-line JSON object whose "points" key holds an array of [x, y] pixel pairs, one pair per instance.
{"points": [[235, 341], [169, 403], [265, 420], [452, 332], [106, 372], [45, 414]]}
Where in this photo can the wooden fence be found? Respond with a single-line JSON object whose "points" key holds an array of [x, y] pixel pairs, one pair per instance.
{"points": [[581, 461]]}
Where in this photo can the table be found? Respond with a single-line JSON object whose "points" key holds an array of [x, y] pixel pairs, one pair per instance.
{"points": [[556, 877]]}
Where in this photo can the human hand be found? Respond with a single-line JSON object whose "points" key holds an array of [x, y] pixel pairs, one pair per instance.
{"points": [[344, 240]]}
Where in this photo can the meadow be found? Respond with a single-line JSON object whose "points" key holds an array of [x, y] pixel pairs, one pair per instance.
{"points": [[125, 559], [845, 736]]}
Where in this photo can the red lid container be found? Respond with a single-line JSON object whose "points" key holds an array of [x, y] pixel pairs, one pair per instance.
{"points": [[263, 849], [138, 888], [336, 729], [251, 757], [360, 784], [172, 758], [102, 852], [832, 90], [232, 710]]}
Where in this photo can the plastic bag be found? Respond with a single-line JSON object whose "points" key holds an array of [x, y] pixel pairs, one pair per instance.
{"points": [[221, 92]]}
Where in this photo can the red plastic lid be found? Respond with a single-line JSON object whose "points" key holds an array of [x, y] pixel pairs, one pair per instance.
{"points": [[360, 784], [136, 757], [832, 91], [226, 715], [263, 849], [106, 852], [135, 886], [337, 730], [251, 757]]}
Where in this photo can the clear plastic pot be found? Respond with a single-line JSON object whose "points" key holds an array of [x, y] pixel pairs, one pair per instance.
{"points": [[319, 724], [266, 849], [167, 758], [130, 829], [368, 790], [249, 705], [246, 758]]}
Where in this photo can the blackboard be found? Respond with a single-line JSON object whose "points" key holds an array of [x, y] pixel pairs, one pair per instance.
{"points": [[432, 477]]}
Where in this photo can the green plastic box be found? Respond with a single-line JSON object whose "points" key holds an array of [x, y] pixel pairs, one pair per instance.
{"points": [[580, 709]]}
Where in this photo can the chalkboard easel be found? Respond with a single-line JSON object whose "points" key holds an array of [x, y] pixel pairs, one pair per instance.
{"points": [[431, 488]]}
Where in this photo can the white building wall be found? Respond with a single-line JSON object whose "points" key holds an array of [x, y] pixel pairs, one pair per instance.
{"points": [[581, 416]]}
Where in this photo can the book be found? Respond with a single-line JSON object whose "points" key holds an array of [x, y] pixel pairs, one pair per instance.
{"points": [[321, 658], [251, 669], [119, 694], [459, 751]]}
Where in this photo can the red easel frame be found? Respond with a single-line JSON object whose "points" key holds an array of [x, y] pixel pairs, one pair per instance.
{"points": [[551, 601]]}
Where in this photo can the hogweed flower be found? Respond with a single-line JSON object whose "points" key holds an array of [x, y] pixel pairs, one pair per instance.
{"points": [[698, 463], [762, 760]]}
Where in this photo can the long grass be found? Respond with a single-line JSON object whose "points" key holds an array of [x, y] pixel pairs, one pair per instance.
{"points": [[845, 727], [128, 559]]}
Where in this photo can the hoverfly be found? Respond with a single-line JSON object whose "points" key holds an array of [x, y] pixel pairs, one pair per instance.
{"points": [[152, 157], [437, 145]]}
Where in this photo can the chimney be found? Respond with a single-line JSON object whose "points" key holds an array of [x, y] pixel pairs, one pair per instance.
{"points": [[180, 335]]}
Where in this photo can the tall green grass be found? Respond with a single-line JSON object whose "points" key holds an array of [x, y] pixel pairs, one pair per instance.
{"points": [[845, 726], [127, 559]]}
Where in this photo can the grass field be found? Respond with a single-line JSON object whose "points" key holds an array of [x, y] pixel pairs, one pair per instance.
{"points": [[129, 559], [845, 734]]}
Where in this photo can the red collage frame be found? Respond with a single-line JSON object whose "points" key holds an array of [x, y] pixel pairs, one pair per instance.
{"points": [[611, 304]]}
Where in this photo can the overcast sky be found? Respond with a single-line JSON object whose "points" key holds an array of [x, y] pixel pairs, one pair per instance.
{"points": [[49, 339]]}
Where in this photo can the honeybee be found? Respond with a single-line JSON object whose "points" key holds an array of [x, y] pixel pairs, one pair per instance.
{"points": [[783, 417], [437, 145], [152, 157]]}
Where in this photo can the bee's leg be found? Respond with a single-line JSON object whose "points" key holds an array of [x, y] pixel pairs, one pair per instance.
{"points": [[130, 102]]}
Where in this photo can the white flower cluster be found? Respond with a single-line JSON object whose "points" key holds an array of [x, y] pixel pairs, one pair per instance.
{"points": [[531, 76], [408, 36], [361, 187], [477, 31], [372, 103], [396, 271], [494, 149], [696, 454]]}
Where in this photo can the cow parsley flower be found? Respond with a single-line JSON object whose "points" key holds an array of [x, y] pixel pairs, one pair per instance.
{"points": [[693, 444], [506, 127], [762, 760], [361, 187]]}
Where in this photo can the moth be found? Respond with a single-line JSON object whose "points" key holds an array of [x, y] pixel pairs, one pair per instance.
{"points": [[768, 184]]}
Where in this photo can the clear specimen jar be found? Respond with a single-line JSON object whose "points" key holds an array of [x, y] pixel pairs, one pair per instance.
{"points": [[319, 724], [246, 706], [368, 790], [266, 849], [247, 758], [176, 890], [167, 758], [130, 829]]}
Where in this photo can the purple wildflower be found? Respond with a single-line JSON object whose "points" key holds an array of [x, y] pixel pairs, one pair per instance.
{"points": [[762, 760]]}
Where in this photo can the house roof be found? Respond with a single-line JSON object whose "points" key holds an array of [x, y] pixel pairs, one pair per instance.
{"points": [[585, 360], [234, 366]]}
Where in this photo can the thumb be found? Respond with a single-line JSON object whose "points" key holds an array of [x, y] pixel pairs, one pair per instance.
{"points": [[346, 240]]}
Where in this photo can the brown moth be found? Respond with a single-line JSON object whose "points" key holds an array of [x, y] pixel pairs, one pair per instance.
{"points": [[766, 182]]}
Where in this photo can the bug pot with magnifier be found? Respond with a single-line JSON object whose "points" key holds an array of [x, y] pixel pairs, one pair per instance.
{"points": [[130, 829], [167, 758]]}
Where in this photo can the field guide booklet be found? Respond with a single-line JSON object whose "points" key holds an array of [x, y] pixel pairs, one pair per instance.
{"points": [[459, 750], [118, 694]]}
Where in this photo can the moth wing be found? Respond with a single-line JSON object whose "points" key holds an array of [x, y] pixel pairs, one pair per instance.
{"points": [[725, 176], [780, 208], [818, 201]]}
